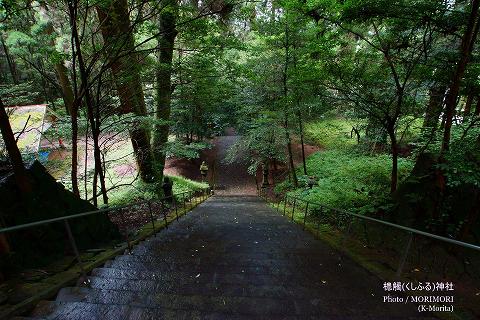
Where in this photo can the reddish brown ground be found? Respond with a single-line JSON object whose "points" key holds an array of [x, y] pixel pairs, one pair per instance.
{"points": [[231, 179]]}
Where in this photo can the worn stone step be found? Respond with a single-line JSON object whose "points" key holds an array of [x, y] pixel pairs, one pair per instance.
{"points": [[90, 311], [208, 256], [222, 260], [207, 277], [233, 246], [257, 267], [194, 287], [239, 248], [222, 304]]}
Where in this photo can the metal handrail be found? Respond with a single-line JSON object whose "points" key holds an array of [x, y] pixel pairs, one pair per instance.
{"points": [[83, 214], [411, 230]]}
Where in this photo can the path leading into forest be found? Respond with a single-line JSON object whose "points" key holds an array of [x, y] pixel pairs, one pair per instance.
{"points": [[231, 178], [232, 257]]}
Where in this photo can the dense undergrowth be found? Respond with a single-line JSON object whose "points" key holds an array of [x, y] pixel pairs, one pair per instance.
{"points": [[348, 179], [142, 191], [350, 175]]}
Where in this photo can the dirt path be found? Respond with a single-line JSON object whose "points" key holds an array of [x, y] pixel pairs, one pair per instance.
{"points": [[231, 179]]}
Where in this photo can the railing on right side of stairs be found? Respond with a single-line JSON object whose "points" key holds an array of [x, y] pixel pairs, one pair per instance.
{"points": [[148, 211], [407, 252]]}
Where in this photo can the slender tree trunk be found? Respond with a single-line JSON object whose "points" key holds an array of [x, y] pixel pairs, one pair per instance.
{"points": [[166, 40], [468, 105], [300, 125], [90, 107], [477, 107], [293, 174], [466, 48], [124, 63], [290, 153], [11, 63], [394, 150], [74, 172]]}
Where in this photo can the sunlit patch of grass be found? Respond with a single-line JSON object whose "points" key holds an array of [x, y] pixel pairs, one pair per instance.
{"points": [[332, 132]]}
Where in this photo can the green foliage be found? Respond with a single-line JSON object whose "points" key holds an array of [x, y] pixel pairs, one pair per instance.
{"points": [[349, 180], [331, 132], [462, 166], [18, 95], [142, 191], [187, 151], [262, 141]]}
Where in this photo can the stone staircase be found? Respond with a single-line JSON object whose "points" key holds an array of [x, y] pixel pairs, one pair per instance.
{"points": [[231, 258]]}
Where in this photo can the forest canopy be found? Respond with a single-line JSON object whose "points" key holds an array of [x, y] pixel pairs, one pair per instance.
{"points": [[391, 87]]}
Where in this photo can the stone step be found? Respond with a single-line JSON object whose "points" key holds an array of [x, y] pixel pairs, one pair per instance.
{"points": [[191, 286], [208, 277], [149, 248], [91, 311], [255, 307], [209, 255], [183, 261], [258, 267], [232, 245], [210, 304]]}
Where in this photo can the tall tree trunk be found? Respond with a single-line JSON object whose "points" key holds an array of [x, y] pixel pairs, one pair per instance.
{"points": [[21, 177], [293, 174], [166, 40], [434, 107], [466, 48], [124, 63], [64, 81], [20, 174], [61, 71], [11, 63]]}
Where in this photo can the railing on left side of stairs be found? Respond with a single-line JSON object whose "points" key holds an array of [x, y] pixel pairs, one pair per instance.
{"points": [[185, 200]]}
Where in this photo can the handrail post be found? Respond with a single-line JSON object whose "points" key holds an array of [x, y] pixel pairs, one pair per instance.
{"points": [[318, 220], [294, 203], [162, 206], [75, 251], [151, 218], [190, 200], [126, 233], [285, 205], [305, 216], [404, 256], [347, 232], [174, 200]]}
